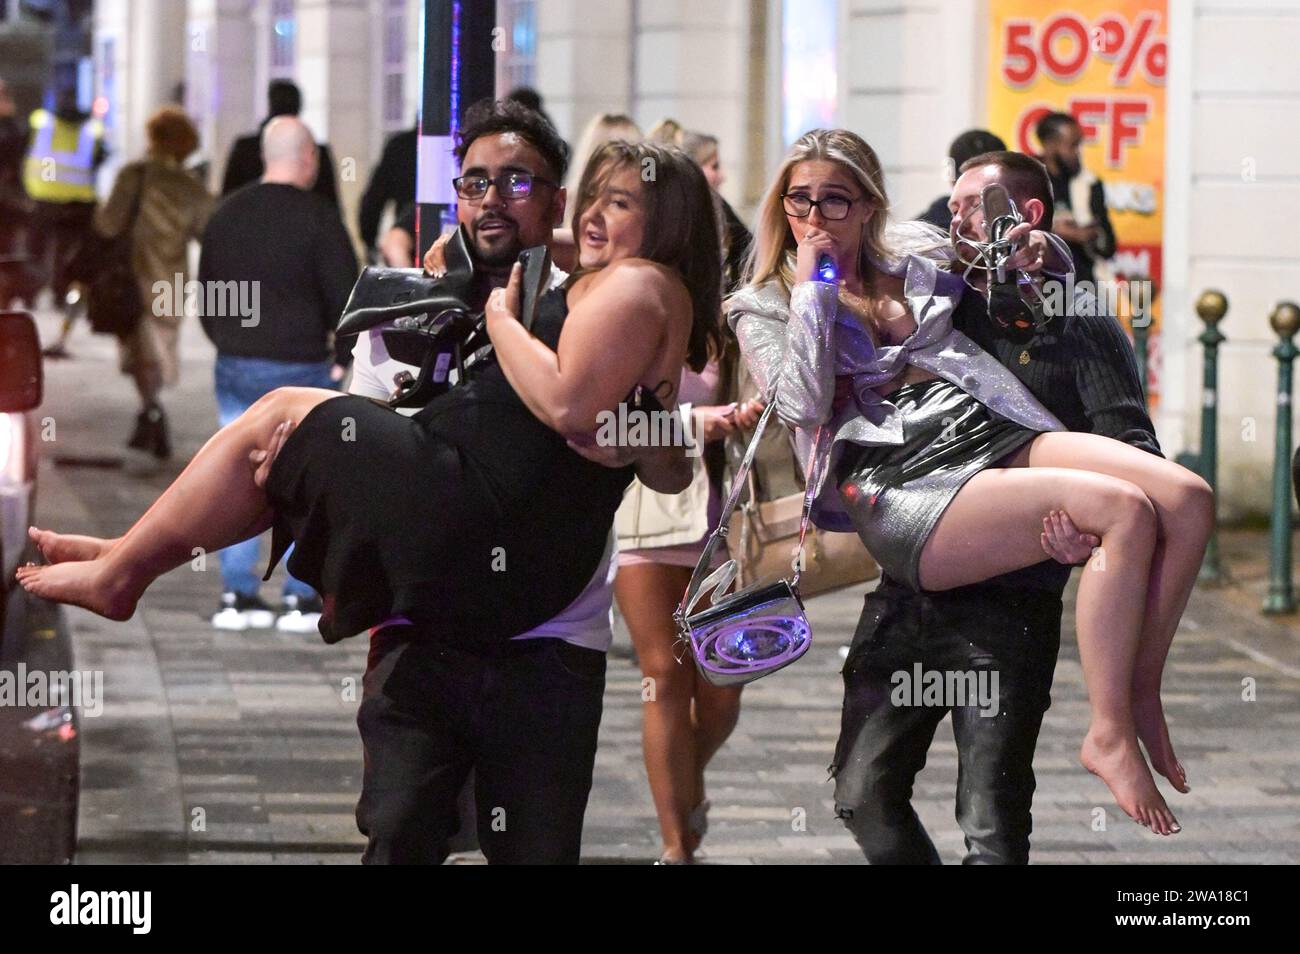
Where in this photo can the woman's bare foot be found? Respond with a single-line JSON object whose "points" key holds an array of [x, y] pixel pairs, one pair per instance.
{"points": [[1149, 715], [87, 584], [1118, 762], [68, 547], [676, 855]]}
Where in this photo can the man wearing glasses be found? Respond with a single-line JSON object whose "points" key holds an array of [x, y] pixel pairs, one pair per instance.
{"points": [[524, 721]]}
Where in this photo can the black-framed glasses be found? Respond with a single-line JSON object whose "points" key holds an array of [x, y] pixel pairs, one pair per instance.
{"points": [[511, 185], [832, 207]]}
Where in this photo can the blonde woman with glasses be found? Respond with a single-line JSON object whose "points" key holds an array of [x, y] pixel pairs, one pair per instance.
{"points": [[941, 460]]}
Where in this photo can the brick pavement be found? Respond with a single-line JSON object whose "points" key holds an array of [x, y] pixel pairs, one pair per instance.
{"points": [[241, 747]]}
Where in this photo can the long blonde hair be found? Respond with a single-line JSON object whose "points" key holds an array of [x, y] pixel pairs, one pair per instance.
{"points": [[667, 131], [772, 254]]}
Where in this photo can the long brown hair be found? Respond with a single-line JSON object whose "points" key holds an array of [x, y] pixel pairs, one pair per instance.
{"points": [[681, 228]]}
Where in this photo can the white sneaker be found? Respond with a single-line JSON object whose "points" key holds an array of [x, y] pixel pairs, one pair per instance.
{"points": [[239, 612], [300, 615]]}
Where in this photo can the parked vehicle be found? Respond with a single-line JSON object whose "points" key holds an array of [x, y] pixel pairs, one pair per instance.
{"points": [[39, 733]]}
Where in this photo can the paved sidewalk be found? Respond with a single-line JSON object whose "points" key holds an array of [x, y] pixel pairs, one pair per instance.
{"points": [[220, 747]]}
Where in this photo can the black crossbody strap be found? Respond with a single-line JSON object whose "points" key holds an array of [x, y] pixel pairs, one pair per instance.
{"points": [[135, 206]]}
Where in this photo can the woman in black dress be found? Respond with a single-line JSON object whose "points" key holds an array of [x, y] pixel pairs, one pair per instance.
{"points": [[504, 542]]}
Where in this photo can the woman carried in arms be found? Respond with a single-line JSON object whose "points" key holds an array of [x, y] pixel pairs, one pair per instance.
{"points": [[940, 458], [511, 522]]}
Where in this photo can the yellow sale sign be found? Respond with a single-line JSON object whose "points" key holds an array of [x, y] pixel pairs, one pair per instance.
{"points": [[1103, 62]]}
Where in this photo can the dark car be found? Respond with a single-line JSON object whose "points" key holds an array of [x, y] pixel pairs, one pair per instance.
{"points": [[39, 733]]}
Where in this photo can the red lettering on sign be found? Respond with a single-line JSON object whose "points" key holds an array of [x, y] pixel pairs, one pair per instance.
{"points": [[1073, 27], [1020, 64]]}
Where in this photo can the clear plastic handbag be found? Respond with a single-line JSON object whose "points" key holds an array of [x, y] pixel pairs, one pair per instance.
{"points": [[761, 628]]}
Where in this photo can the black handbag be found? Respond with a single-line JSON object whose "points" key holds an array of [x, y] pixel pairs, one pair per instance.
{"points": [[104, 268], [435, 326]]}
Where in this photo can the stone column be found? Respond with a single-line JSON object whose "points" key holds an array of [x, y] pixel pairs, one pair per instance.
{"points": [[912, 77], [692, 65], [584, 60], [334, 69], [148, 64], [219, 78]]}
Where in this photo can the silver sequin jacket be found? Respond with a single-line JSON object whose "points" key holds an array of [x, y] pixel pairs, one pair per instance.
{"points": [[796, 346]]}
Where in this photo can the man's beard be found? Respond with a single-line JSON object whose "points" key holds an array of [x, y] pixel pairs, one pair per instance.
{"points": [[498, 255]]}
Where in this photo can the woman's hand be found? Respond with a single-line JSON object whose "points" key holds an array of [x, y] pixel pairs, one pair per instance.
{"points": [[1063, 542], [261, 460], [435, 261], [665, 470], [815, 244], [748, 413], [503, 303], [715, 422]]}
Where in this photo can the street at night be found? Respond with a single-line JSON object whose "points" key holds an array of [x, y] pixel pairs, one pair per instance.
{"points": [[251, 732], [483, 433]]}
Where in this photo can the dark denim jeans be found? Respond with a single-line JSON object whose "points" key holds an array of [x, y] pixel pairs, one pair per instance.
{"points": [[882, 746], [240, 382], [525, 721]]}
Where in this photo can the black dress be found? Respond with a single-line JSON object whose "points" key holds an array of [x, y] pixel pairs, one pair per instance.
{"points": [[472, 518]]}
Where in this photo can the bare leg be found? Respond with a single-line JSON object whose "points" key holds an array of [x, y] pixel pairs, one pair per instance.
{"points": [[71, 547], [1184, 505], [647, 595], [714, 714], [212, 504], [148, 382], [993, 525]]}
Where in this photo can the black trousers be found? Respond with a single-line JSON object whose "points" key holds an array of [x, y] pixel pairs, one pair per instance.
{"points": [[882, 745], [525, 721], [55, 235]]}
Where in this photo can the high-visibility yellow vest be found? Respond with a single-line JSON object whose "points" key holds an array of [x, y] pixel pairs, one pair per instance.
{"points": [[60, 165]]}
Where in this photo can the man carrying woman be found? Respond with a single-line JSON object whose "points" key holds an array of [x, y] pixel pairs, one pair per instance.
{"points": [[947, 466], [1083, 372], [513, 521]]}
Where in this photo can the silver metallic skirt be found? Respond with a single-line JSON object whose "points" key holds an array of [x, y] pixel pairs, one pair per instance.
{"points": [[895, 493]]}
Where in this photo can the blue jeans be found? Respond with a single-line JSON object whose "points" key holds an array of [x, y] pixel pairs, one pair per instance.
{"points": [[240, 382]]}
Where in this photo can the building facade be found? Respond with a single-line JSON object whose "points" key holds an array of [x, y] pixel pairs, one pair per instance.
{"points": [[355, 60], [906, 74]]}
